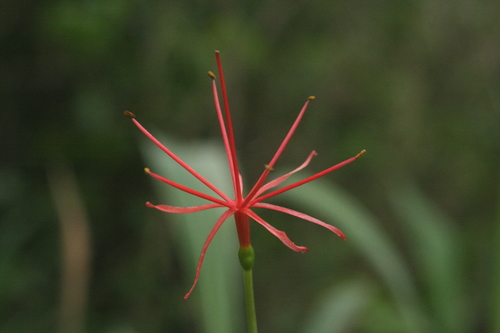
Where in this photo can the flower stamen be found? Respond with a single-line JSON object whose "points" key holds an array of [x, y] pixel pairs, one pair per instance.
{"points": [[129, 114], [361, 153], [268, 167]]}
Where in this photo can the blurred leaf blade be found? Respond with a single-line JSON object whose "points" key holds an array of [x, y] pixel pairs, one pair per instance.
{"points": [[340, 307], [436, 247], [495, 299], [337, 207]]}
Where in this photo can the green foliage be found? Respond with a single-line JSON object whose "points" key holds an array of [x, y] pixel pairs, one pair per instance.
{"points": [[433, 246], [366, 233]]}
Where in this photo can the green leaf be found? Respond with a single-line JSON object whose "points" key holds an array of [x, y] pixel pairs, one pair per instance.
{"points": [[340, 308], [328, 202], [435, 244]]}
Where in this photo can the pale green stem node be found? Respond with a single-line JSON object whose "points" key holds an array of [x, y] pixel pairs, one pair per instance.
{"points": [[247, 257]]}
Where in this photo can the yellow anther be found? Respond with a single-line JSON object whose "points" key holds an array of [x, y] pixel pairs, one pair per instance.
{"points": [[268, 167], [129, 114], [311, 98], [146, 170], [361, 153], [212, 75]]}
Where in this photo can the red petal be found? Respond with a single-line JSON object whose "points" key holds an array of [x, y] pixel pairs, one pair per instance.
{"points": [[211, 235], [223, 130], [178, 160], [281, 179], [240, 178], [307, 180], [302, 216], [289, 135], [187, 189], [230, 133], [278, 233], [182, 210]]}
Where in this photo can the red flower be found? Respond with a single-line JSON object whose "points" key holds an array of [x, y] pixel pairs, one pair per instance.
{"points": [[241, 206]]}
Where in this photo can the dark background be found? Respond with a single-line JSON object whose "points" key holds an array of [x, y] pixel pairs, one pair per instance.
{"points": [[415, 83]]}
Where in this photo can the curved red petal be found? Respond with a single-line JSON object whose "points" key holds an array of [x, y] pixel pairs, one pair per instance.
{"points": [[276, 156], [281, 179], [278, 233], [211, 235], [304, 181], [302, 216], [178, 160], [225, 138], [187, 189], [182, 210], [230, 132], [240, 178]]}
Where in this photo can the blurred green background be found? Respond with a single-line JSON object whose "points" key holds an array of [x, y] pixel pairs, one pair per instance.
{"points": [[415, 83]]}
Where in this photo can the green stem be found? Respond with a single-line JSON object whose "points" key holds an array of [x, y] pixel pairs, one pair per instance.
{"points": [[247, 259], [250, 301], [496, 274]]}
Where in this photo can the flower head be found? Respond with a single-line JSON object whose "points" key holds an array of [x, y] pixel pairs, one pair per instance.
{"points": [[241, 206]]}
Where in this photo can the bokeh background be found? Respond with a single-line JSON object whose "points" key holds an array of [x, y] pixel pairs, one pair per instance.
{"points": [[415, 83]]}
